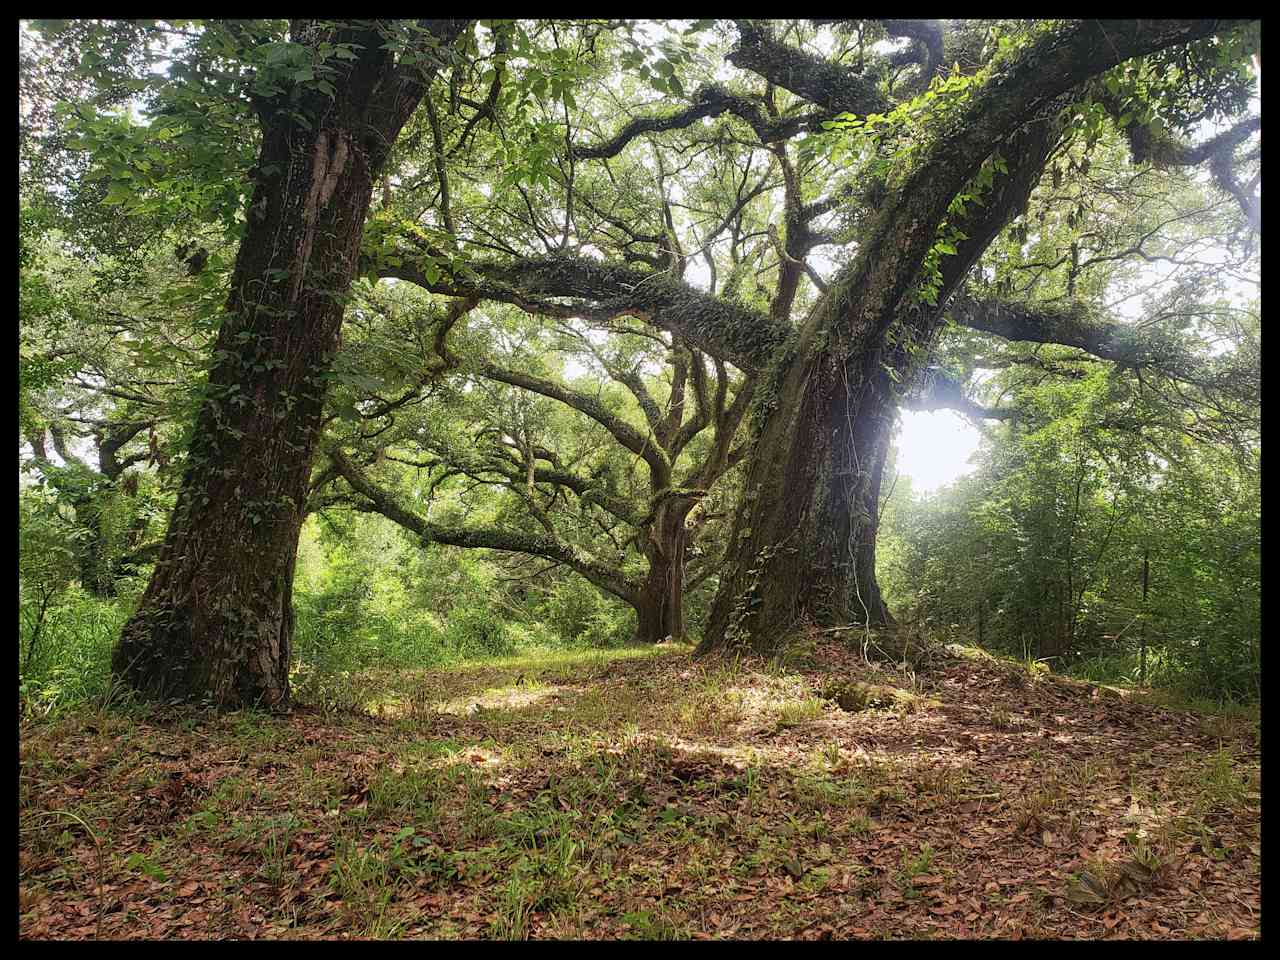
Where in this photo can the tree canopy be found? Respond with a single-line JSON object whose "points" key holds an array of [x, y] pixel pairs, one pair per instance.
{"points": [[657, 289]]}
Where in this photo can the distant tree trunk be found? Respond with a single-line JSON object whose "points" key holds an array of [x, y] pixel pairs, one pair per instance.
{"points": [[95, 572], [651, 618], [89, 492], [660, 603], [1142, 624], [216, 620]]}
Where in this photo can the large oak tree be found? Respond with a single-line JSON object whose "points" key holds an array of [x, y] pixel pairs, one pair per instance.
{"points": [[947, 166], [900, 149], [216, 619]]}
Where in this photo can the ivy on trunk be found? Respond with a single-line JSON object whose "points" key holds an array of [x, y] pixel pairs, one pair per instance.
{"points": [[216, 620]]}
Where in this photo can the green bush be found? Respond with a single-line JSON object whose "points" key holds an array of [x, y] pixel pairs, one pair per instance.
{"points": [[70, 662], [477, 631], [583, 618]]}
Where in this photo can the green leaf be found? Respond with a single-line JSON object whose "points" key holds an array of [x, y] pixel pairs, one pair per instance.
{"points": [[118, 193]]}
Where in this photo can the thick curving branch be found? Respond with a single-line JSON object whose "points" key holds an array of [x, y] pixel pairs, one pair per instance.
{"points": [[828, 85], [602, 291], [939, 391], [1081, 326], [1028, 82], [926, 43], [711, 100], [1071, 325], [1166, 150], [382, 501]]}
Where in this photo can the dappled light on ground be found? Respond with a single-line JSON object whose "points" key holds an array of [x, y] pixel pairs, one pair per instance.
{"points": [[652, 796]]}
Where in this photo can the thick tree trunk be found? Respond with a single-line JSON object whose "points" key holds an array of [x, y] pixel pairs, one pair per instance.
{"points": [[652, 618], [216, 620], [803, 542]]}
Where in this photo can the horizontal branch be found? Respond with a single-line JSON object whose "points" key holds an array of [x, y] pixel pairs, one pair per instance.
{"points": [[1078, 325], [943, 392], [1073, 325], [382, 501], [746, 338], [590, 492], [711, 100]]}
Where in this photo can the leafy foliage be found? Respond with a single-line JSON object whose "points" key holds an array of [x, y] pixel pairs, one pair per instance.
{"points": [[649, 146]]}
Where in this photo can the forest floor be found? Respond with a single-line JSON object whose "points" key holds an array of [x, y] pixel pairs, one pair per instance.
{"points": [[642, 794]]}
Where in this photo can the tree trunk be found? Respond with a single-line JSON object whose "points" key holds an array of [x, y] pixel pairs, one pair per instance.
{"points": [[95, 573], [216, 620], [803, 542], [660, 605], [652, 623]]}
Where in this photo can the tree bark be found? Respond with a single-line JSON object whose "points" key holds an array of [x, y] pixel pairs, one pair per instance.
{"points": [[803, 544], [216, 620], [660, 604]]}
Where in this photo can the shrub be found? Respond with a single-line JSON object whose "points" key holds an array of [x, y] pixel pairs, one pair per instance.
{"points": [[70, 664]]}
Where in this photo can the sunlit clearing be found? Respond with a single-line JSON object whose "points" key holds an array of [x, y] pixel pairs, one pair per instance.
{"points": [[934, 448]]}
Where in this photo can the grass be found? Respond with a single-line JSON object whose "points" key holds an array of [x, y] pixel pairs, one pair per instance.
{"points": [[913, 867], [655, 924], [624, 794], [793, 712], [70, 664]]}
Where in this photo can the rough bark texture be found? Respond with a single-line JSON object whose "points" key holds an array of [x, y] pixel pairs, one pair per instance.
{"points": [[216, 620], [803, 542], [803, 545]]}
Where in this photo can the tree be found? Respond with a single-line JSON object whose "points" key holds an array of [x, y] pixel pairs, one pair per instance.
{"points": [[330, 101], [935, 168], [909, 150], [629, 493], [80, 385]]}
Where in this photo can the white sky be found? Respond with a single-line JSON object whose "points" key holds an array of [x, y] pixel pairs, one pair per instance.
{"points": [[934, 447]]}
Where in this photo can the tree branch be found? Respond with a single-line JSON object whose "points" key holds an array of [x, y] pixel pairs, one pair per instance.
{"points": [[746, 338], [711, 100], [638, 443], [385, 503], [831, 86]]}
